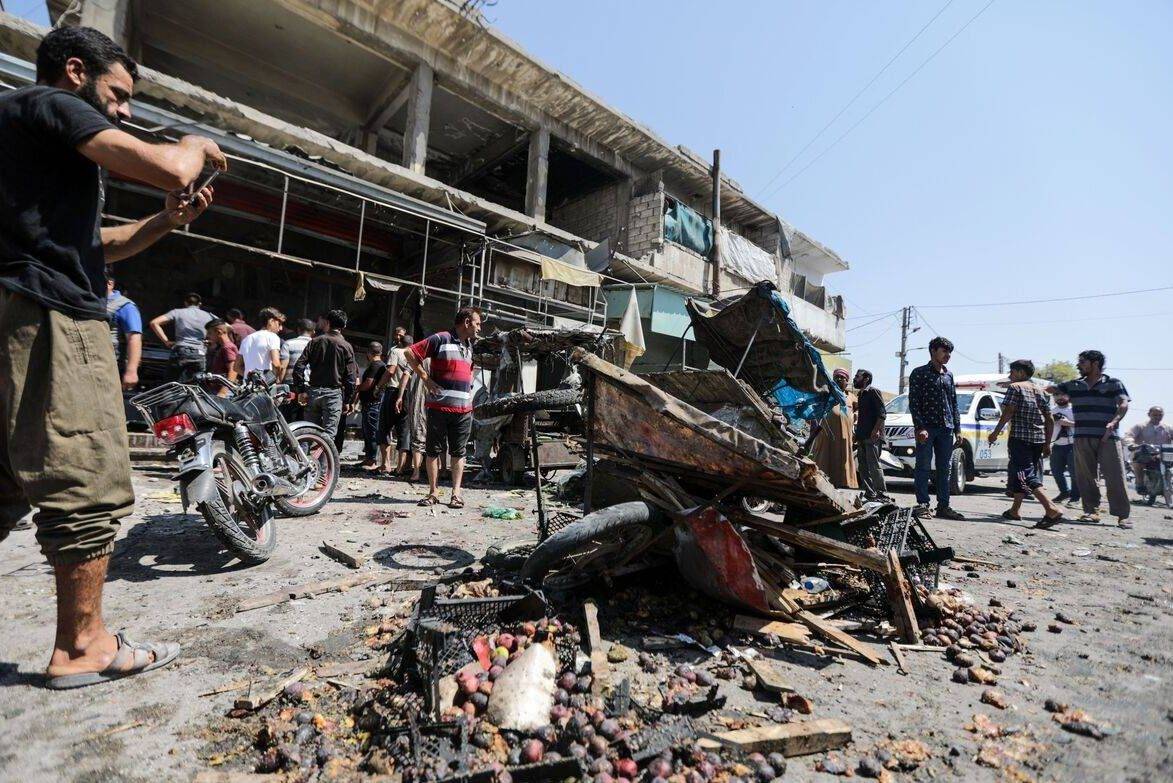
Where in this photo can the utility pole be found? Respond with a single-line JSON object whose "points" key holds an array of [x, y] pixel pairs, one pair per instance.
{"points": [[905, 318], [716, 223], [1001, 363]]}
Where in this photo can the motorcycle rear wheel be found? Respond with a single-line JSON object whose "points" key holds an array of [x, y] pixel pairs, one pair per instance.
{"points": [[245, 530]]}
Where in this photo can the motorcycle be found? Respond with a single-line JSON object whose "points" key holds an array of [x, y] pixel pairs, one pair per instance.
{"points": [[1156, 476], [240, 461]]}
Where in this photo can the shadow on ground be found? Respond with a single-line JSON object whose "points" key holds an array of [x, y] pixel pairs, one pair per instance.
{"points": [[165, 545]]}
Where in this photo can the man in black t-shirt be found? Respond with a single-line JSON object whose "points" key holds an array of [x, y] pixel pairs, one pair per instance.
{"points": [[371, 403], [869, 436], [63, 445]]}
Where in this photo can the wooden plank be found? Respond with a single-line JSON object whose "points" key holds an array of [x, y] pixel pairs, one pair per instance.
{"points": [[770, 678], [859, 512], [260, 694], [900, 597], [789, 739], [790, 632], [864, 558], [228, 776], [828, 631], [331, 586], [600, 668], [235, 685], [351, 559], [974, 561], [901, 664]]}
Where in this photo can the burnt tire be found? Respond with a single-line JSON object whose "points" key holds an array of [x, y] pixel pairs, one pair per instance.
{"points": [[550, 399], [626, 525], [229, 530]]}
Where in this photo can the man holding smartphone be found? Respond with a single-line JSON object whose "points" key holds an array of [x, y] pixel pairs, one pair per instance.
{"points": [[63, 445]]}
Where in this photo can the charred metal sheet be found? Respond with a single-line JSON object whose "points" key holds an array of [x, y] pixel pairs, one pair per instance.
{"points": [[713, 557], [636, 419]]}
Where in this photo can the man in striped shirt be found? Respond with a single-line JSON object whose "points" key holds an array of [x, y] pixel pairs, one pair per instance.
{"points": [[449, 401], [1100, 403]]}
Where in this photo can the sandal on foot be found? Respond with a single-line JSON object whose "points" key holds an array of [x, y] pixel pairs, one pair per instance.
{"points": [[1007, 515], [456, 502], [430, 500], [1046, 523], [131, 658]]}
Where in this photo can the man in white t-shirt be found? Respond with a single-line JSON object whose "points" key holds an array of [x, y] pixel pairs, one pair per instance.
{"points": [[261, 350]]}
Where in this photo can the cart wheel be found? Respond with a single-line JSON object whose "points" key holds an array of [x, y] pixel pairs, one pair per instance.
{"points": [[512, 465]]}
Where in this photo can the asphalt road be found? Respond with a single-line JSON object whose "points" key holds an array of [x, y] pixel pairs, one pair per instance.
{"points": [[169, 580]]}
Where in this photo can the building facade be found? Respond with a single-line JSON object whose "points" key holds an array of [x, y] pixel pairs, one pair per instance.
{"points": [[399, 159]]}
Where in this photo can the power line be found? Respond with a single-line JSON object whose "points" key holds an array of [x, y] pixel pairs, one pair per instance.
{"points": [[1066, 320], [877, 320], [856, 97], [882, 101], [891, 326], [976, 361], [1047, 301]]}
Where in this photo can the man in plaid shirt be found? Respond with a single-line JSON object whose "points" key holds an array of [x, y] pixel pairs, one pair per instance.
{"points": [[1029, 412]]}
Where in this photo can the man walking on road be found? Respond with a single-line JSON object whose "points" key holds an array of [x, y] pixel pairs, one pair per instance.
{"points": [[63, 445], [1100, 403], [449, 401], [126, 333], [1063, 451], [1028, 411], [932, 400], [869, 436], [333, 374], [371, 402]]}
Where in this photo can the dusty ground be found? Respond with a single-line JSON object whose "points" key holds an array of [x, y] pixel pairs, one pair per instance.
{"points": [[170, 581]]}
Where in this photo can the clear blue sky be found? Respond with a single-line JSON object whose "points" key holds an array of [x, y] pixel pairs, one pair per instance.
{"points": [[1032, 158]]}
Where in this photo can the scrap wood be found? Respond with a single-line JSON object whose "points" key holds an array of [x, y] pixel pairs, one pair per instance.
{"points": [[339, 585], [219, 776], [859, 512], [901, 664], [351, 559], [113, 730], [600, 668], [973, 561], [789, 632], [235, 685], [769, 677], [789, 739], [864, 558], [826, 630], [900, 597], [261, 693]]}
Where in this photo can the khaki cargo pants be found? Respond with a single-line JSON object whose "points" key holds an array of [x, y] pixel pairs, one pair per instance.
{"points": [[63, 444]]}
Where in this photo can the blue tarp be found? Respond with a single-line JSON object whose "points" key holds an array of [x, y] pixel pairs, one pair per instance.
{"points": [[797, 404], [688, 227]]}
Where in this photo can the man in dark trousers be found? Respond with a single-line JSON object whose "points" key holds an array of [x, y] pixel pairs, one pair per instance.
{"points": [[1028, 411], [63, 445], [932, 401], [371, 402], [1100, 403], [449, 399], [869, 436], [333, 375]]}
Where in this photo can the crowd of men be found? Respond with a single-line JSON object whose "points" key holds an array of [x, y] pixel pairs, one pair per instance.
{"points": [[1079, 434]]}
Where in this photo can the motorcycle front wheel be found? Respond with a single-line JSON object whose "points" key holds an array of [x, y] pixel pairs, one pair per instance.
{"points": [[246, 529], [317, 486]]}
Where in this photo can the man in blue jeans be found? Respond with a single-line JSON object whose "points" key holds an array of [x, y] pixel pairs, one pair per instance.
{"points": [[932, 401]]}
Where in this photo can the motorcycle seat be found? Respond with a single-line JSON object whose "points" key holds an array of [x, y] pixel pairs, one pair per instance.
{"points": [[229, 408]]}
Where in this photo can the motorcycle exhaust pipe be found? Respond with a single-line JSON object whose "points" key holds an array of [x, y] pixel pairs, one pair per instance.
{"points": [[270, 485]]}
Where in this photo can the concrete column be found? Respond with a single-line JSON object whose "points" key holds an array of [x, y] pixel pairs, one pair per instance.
{"points": [[537, 174], [111, 17], [419, 111]]}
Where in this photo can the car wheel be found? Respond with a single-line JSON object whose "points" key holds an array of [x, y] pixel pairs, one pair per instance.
{"points": [[957, 480]]}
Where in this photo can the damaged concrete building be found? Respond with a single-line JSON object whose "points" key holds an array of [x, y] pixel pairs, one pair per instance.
{"points": [[401, 158]]}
